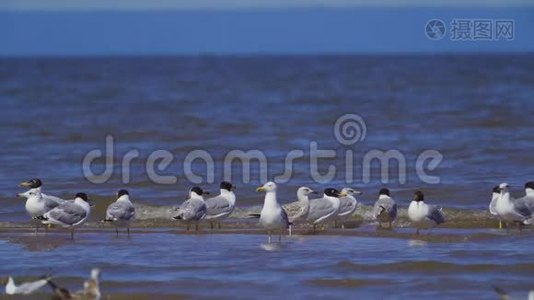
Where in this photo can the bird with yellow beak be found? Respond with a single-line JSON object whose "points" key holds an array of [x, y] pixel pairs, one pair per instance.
{"points": [[272, 217]]}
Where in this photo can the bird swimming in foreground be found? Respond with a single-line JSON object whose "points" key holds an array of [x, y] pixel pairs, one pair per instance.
{"points": [[193, 209], [120, 212], [25, 288], [423, 215], [221, 206], [69, 214], [493, 203], [385, 208], [325, 209], [347, 205], [91, 289], [272, 217], [38, 203]]}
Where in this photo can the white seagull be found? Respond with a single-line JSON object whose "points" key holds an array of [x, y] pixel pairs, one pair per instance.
{"points": [[120, 212], [385, 208], [38, 203], [325, 209], [221, 206], [423, 215], [193, 209], [512, 210], [303, 203], [272, 217], [347, 205], [25, 288], [493, 204], [69, 214]]}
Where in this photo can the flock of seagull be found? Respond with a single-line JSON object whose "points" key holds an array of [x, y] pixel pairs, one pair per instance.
{"points": [[332, 208]]}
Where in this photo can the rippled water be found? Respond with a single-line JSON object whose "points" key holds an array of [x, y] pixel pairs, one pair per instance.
{"points": [[476, 110], [242, 266]]}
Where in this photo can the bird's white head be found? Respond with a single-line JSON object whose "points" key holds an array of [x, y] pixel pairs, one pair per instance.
{"points": [[304, 191], [95, 274], [267, 187], [351, 191], [503, 187], [32, 193]]}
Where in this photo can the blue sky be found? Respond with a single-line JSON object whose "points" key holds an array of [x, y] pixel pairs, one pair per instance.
{"points": [[135, 27]]}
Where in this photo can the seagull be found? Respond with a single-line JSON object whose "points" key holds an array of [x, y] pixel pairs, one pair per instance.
{"points": [[528, 201], [512, 210], [193, 209], [325, 209], [385, 209], [272, 217], [91, 289], [303, 206], [347, 205], [69, 214], [492, 206], [38, 203], [221, 206], [25, 288], [121, 212], [424, 215]]}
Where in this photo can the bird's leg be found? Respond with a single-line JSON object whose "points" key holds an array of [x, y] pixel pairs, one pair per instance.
{"points": [[417, 231], [390, 225], [289, 230], [313, 228], [72, 233], [187, 227], [343, 226], [196, 227], [128, 230], [219, 225], [520, 227], [270, 237], [211, 225], [280, 237], [46, 228], [335, 224], [500, 224]]}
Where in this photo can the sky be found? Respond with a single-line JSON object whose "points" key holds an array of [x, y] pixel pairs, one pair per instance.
{"points": [[165, 27]]}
